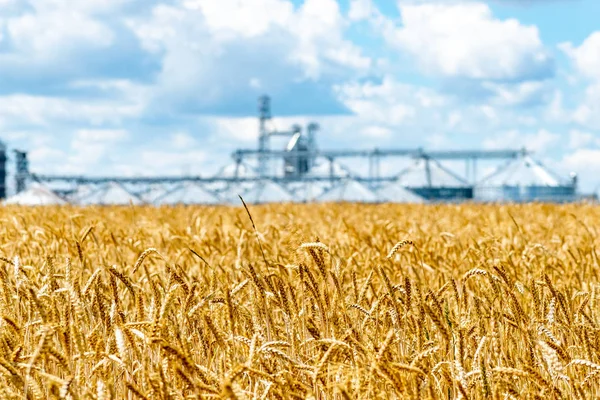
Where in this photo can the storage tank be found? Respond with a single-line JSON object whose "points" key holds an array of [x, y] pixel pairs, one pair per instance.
{"points": [[22, 170], [524, 180]]}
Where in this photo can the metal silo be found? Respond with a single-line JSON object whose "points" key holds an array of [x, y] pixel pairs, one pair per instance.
{"points": [[22, 170], [524, 180]]}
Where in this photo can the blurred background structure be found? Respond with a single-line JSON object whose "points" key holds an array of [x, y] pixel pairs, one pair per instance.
{"points": [[288, 166]]}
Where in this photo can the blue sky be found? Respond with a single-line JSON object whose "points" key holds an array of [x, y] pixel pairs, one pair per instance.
{"points": [[143, 87]]}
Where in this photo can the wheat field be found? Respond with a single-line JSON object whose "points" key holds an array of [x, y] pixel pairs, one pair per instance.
{"points": [[300, 301]]}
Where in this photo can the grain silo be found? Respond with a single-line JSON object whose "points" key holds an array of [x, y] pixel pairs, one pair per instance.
{"points": [[321, 178], [523, 180], [396, 192], [187, 193], [111, 193], [349, 190], [35, 195]]}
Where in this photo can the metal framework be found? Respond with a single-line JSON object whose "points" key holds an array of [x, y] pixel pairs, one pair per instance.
{"points": [[241, 155], [264, 154], [84, 180], [470, 157]]}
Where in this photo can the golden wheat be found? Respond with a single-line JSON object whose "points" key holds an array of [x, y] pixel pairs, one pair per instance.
{"points": [[290, 301]]}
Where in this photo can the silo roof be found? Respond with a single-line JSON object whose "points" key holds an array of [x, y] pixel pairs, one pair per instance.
{"points": [[187, 193], [349, 190], [35, 195], [266, 192], [396, 192], [110, 194], [524, 171]]}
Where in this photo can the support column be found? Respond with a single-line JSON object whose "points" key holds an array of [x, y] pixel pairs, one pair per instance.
{"points": [[264, 114]]}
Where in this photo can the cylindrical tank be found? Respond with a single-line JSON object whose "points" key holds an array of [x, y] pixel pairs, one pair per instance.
{"points": [[519, 194], [549, 193], [497, 193], [444, 193], [22, 170]]}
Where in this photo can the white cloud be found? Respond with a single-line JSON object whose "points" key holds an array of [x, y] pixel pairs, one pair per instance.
{"points": [[586, 57], [377, 131], [318, 29], [48, 44], [579, 139], [438, 141], [182, 140], [101, 135], [538, 142], [243, 130], [541, 141], [90, 146], [312, 35], [82, 151], [45, 155], [8, 6], [50, 34], [88, 6], [519, 94], [587, 113], [210, 56], [586, 163], [112, 152], [165, 162], [419, 115], [488, 111], [555, 111], [464, 40], [454, 118], [46, 111], [361, 10], [390, 102], [249, 19]]}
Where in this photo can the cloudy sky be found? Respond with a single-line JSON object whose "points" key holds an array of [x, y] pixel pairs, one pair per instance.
{"points": [[170, 86]]}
